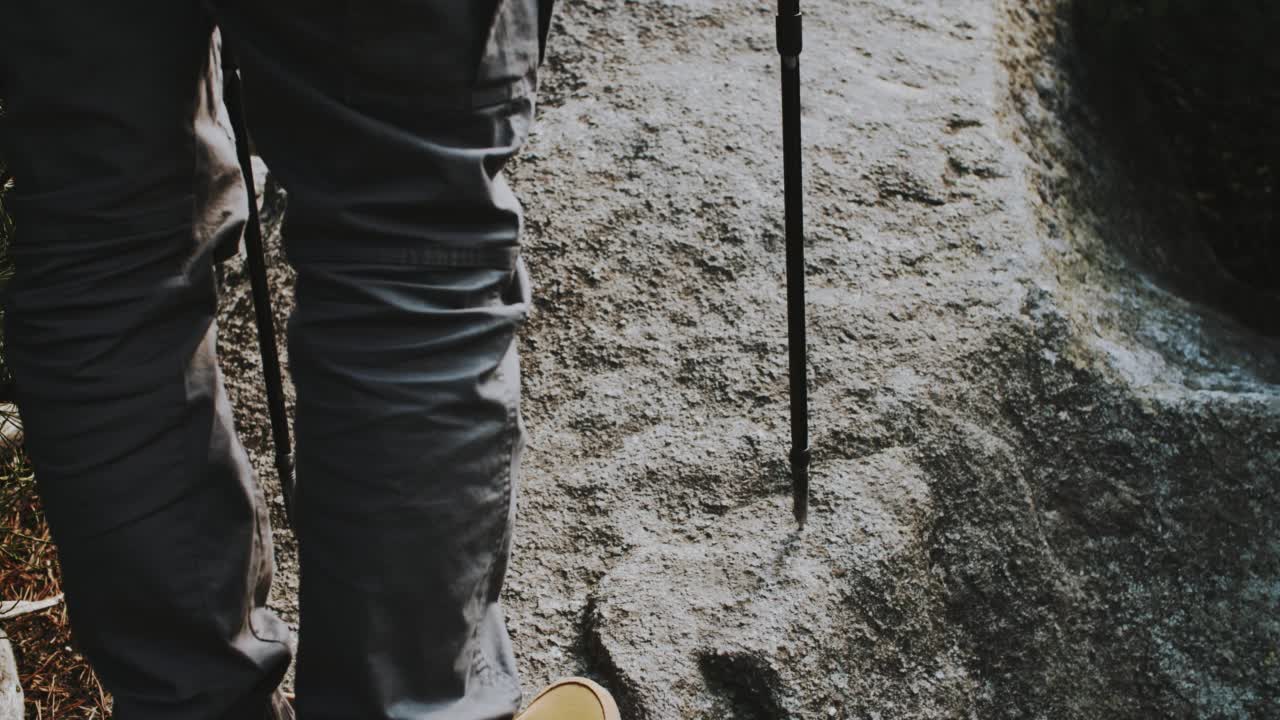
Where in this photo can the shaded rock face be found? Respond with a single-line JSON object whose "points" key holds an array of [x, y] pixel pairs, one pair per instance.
{"points": [[1022, 509], [1116, 557], [1185, 94], [1052, 546], [1045, 486]]}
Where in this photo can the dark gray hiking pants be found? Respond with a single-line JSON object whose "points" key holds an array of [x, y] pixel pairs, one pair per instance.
{"points": [[388, 122]]}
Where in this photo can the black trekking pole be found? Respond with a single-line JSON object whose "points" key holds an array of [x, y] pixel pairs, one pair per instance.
{"points": [[257, 262], [790, 43]]}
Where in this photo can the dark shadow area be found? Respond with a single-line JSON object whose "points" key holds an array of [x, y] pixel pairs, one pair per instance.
{"points": [[745, 685], [1186, 94], [6, 271]]}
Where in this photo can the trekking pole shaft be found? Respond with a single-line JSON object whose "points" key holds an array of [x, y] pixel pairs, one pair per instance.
{"points": [[263, 316], [790, 44]]}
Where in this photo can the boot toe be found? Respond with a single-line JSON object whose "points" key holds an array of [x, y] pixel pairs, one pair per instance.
{"points": [[572, 699]]}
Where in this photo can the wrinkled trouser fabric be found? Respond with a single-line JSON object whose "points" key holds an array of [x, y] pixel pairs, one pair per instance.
{"points": [[388, 122]]}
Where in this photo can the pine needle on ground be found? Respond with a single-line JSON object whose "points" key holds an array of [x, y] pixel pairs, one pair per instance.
{"points": [[56, 679]]}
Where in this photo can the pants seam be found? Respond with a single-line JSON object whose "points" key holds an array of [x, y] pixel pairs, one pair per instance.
{"points": [[480, 662]]}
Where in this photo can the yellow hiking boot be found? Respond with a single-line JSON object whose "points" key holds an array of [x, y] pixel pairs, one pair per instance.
{"points": [[572, 699]]}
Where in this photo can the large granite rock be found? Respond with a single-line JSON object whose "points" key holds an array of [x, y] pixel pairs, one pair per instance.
{"points": [[1045, 486]]}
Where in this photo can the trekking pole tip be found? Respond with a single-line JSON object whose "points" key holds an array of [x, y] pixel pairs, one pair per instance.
{"points": [[800, 484], [288, 473]]}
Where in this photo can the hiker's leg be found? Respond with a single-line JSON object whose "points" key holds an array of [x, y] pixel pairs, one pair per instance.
{"points": [[388, 128], [125, 180]]}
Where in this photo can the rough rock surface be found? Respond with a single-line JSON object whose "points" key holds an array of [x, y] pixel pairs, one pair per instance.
{"points": [[10, 690], [1045, 486]]}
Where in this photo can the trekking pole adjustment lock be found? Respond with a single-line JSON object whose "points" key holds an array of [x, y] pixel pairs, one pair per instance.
{"points": [[801, 457], [790, 35]]}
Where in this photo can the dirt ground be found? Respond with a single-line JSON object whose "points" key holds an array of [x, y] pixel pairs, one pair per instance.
{"points": [[1045, 486]]}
